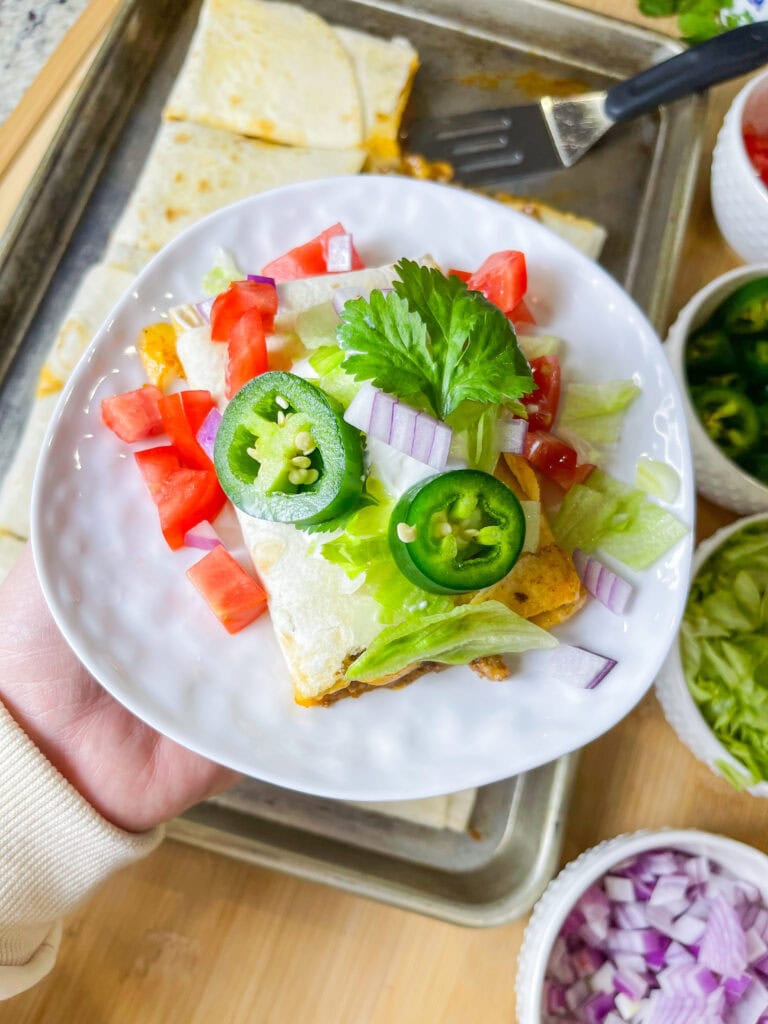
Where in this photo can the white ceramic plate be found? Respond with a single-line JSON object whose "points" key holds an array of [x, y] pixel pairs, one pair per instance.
{"points": [[122, 599]]}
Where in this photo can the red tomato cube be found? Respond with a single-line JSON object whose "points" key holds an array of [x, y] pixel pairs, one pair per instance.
{"points": [[187, 497], [183, 414], [239, 298], [309, 259], [234, 597], [246, 352], [156, 465], [502, 278], [133, 415]]}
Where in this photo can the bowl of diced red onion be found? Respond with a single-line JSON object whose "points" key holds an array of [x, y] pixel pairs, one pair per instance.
{"points": [[739, 180], [663, 927]]}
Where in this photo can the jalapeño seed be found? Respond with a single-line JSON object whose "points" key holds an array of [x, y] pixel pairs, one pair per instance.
{"points": [[406, 533]]}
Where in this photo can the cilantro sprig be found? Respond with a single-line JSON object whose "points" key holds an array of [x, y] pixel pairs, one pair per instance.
{"points": [[433, 343], [698, 20]]}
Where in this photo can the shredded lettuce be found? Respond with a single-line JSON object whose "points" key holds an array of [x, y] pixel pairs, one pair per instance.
{"points": [[724, 650], [221, 275], [595, 411], [657, 478], [606, 513], [453, 637], [326, 362], [363, 548], [534, 346], [317, 326]]}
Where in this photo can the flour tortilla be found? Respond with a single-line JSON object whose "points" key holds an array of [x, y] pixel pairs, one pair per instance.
{"points": [[320, 618], [581, 232], [271, 71], [98, 292], [10, 549], [384, 69], [193, 170]]}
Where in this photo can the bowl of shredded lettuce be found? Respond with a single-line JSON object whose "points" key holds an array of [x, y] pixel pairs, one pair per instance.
{"points": [[714, 684]]}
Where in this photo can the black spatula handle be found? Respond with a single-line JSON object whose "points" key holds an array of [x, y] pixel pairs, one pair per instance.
{"points": [[726, 56]]}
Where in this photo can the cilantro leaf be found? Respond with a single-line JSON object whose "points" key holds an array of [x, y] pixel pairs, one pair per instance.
{"points": [[389, 347], [434, 342]]}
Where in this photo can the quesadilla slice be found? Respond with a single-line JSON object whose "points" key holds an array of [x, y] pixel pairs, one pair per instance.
{"points": [[272, 71], [385, 69], [327, 615], [99, 290], [193, 170]]}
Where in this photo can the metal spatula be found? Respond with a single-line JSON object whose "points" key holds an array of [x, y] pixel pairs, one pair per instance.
{"points": [[514, 141]]}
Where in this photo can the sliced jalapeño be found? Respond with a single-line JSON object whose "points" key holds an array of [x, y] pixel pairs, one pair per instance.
{"points": [[284, 452], [457, 532], [746, 310]]}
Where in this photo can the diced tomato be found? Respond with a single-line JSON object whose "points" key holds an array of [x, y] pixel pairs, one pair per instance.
{"points": [[133, 415], [502, 278], [183, 414], [309, 259], [187, 497], [246, 352], [757, 150], [554, 458], [238, 299], [156, 465], [463, 275], [582, 471], [234, 597], [542, 404], [521, 314]]}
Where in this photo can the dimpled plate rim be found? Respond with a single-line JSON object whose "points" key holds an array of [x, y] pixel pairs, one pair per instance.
{"points": [[122, 600]]}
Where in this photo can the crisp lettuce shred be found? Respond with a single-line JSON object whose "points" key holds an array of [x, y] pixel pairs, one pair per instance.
{"points": [[363, 548], [605, 513], [221, 275], [595, 411], [536, 345], [724, 649], [326, 362], [317, 326], [453, 637], [657, 478]]}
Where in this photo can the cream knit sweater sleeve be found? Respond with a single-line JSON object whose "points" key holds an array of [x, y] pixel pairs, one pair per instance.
{"points": [[54, 850]]}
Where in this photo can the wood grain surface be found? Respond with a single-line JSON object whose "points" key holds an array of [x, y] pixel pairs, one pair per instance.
{"points": [[189, 937]]}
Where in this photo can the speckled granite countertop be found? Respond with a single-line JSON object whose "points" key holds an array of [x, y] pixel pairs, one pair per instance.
{"points": [[29, 33]]}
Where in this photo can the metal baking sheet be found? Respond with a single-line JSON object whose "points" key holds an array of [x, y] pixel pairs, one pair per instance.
{"points": [[637, 183]]}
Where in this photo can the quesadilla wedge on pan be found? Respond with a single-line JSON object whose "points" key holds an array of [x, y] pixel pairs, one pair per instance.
{"points": [[329, 610]]}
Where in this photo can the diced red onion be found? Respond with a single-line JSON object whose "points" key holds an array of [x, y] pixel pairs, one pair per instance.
{"points": [[204, 308], [631, 983], [620, 890], [386, 419], [602, 583], [511, 435], [188, 316], [261, 279], [723, 945], [669, 889], [751, 1006], [576, 666], [576, 994], [209, 428], [687, 980], [756, 946], [736, 987], [339, 257], [202, 536]]}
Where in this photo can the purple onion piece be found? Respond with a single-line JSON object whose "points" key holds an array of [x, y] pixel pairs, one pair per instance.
{"points": [[260, 279], [209, 428]]}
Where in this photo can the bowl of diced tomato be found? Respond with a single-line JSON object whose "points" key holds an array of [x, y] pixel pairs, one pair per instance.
{"points": [[740, 173]]}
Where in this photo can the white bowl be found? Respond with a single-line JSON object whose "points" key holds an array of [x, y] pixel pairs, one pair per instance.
{"points": [[719, 479], [562, 893], [739, 197], [680, 709]]}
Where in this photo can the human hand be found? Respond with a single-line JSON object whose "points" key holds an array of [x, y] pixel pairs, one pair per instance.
{"points": [[132, 775]]}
